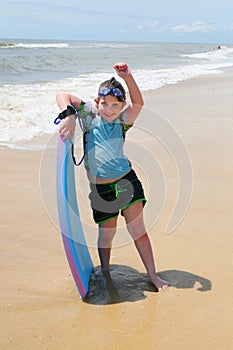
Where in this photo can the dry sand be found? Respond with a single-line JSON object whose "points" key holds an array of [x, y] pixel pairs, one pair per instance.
{"points": [[40, 307]]}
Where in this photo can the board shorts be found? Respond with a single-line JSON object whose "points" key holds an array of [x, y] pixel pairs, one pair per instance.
{"points": [[108, 199]]}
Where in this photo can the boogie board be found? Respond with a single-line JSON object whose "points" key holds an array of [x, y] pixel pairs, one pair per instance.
{"points": [[75, 245]]}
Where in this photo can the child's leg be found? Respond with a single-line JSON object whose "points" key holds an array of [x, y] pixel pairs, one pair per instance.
{"points": [[107, 232], [135, 224]]}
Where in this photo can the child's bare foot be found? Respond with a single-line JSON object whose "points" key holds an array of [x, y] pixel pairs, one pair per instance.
{"points": [[100, 271], [159, 283]]}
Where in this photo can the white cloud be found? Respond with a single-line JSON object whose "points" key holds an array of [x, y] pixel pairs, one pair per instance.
{"points": [[139, 26], [147, 27], [153, 25], [198, 26]]}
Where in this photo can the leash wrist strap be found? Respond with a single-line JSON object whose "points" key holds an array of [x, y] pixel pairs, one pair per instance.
{"points": [[70, 110]]}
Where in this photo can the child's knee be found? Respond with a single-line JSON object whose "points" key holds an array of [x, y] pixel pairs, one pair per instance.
{"points": [[106, 235], [136, 230]]}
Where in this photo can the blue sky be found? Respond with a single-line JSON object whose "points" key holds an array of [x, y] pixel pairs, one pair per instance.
{"points": [[202, 21]]}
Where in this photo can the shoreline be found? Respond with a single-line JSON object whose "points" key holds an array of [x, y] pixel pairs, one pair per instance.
{"points": [[40, 307], [47, 123]]}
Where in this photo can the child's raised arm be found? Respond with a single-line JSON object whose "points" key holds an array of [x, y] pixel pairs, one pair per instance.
{"points": [[136, 98], [64, 100]]}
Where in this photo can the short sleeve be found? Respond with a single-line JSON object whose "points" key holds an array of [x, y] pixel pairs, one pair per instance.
{"points": [[124, 121], [86, 113]]}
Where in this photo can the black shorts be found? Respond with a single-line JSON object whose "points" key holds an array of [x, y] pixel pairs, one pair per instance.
{"points": [[107, 200]]}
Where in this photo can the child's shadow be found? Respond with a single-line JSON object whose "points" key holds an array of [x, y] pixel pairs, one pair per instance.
{"points": [[127, 284]]}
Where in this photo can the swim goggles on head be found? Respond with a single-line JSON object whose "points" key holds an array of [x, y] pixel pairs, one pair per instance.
{"points": [[115, 91]]}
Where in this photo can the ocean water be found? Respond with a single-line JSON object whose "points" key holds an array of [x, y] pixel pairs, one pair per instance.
{"points": [[32, 72]]}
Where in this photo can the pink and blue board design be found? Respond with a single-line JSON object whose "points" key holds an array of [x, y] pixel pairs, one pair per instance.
{"points": [[74, 241]]}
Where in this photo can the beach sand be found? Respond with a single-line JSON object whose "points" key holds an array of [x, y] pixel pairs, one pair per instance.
{"points": [[40, 306]]}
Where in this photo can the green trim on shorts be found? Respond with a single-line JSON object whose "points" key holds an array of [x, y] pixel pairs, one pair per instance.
{"points": [[103, 221], [136, 201], [127, 206]]}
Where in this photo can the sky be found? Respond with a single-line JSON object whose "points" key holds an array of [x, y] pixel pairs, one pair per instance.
{"points": [[193, 21]]}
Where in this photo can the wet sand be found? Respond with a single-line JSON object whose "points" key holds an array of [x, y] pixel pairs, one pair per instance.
{"points": [[40, 306]]}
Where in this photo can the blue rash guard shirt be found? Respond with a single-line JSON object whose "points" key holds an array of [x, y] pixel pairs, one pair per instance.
{"points": [[104, 150]]}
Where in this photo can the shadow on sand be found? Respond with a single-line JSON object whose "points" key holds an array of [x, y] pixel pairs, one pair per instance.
{"points": [[127, 284]]}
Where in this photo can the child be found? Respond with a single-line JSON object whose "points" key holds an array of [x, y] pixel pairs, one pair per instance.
{"points": [[114, 184]]}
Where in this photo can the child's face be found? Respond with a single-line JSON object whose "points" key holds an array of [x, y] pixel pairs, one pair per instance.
{"points": [[109, 107]]}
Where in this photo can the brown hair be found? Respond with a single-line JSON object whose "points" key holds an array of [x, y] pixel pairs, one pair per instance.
{"points": [[113, 83]]}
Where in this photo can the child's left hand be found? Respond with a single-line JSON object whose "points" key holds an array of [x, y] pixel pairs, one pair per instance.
{"points": [[122, 69]]}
